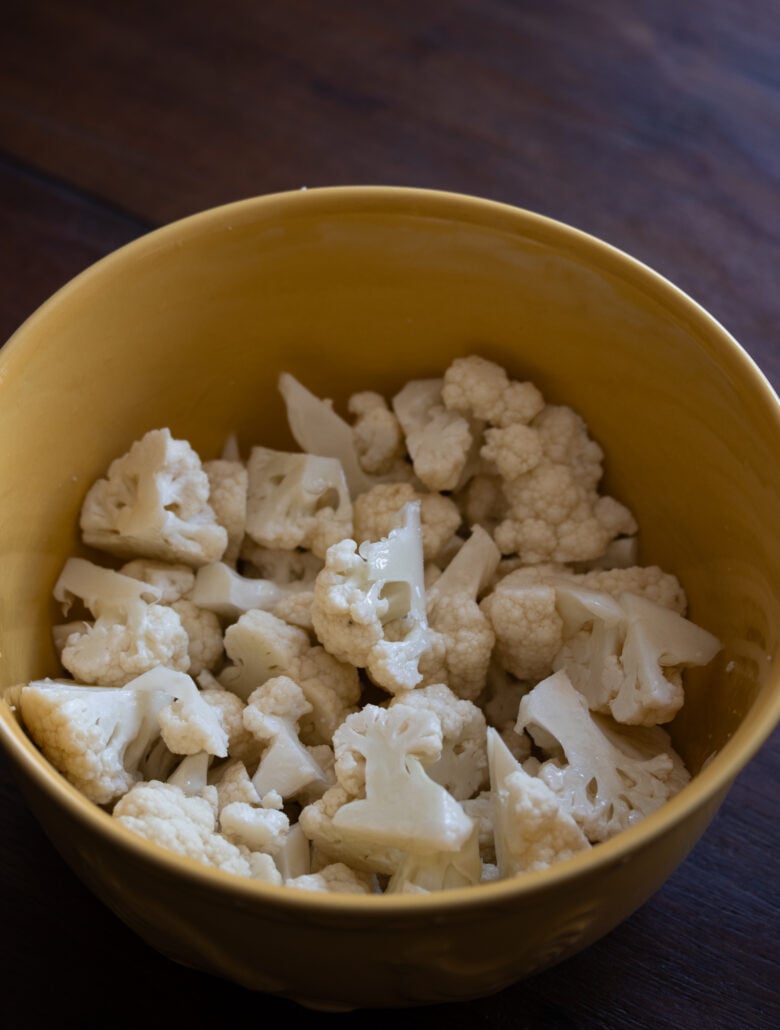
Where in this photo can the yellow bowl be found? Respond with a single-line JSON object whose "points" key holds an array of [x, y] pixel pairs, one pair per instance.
{"points": [[351, 288]]}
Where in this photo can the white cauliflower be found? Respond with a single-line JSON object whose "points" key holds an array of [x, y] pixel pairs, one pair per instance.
{"points": [[100, 738], [377, 433], [531, 827], [204, 636], [131, 632], [272, 715], [462, 636], [482, 389], [336, 878], [440, 870], [163, 814], [228, 483], [262, 646], [375, 514], [172, 581], [555, 512], [369, 604], [603, 787], [440, 443], [630, 664], [154, 503], [462, 766], [296, 500], [218, 588], [386, 750], [318, 430]]}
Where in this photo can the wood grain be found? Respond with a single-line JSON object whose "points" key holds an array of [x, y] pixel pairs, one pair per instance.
{"points": [[653, 125]]}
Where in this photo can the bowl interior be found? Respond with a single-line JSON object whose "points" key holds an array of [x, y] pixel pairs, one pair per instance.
{"points": [[355, 289]]}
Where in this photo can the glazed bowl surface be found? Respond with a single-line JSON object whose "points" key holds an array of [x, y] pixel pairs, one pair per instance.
{"points": [[365, 288]]}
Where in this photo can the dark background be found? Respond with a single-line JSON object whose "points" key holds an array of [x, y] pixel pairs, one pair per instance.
{"points": [[654, 125]]}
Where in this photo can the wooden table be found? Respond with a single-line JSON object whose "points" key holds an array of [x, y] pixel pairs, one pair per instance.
{"points": [[654, 125]]}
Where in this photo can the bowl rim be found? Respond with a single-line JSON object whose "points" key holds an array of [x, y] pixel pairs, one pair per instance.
{"points": [[708, 787]]}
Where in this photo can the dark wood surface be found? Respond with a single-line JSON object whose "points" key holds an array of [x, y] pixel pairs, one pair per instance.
{"points": [[654, 125]]}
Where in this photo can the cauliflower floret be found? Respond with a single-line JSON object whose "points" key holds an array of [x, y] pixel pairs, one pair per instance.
{"points": [[440, 442], [172, 581], [204, 635], [384, 750], [318, 430], [529, 631], [376, 514], [532, 829], [259, 829], [462, 637], [554, 510], [220, 589], [188, 724], [480, 388], [235, 785], [462, 767], [100, 737], [377, 433], [361, 852], [230, 709], [261, 646], [603, 787], [163, 814], [631, 665], [513, 449], [297, 500], [228, 483], [129, 635], [438, 871], [369, 604], [154, 503], [336, 878], [272, 715]]}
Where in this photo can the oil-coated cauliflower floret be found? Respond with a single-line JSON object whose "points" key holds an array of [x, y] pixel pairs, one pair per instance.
{"points": [[440, 442], [131, 633], [462, 637], [154, 503], [377, 433], [531, 827], [482, 389], [228, 482], [272, 715], [369, 604], [262, 646], [163, 814], [296, 500], [462, 766], [603, 787], [376, 514]]}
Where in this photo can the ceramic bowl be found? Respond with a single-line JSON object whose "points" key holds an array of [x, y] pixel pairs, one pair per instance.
{"points": [[355, 288]]}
